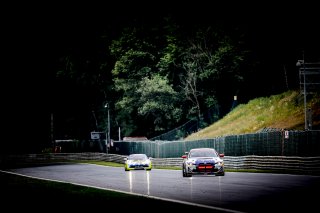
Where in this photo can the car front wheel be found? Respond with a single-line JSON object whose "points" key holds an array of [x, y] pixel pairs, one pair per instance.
{"points": [[185, 173]]}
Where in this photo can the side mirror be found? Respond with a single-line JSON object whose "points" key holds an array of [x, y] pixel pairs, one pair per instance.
{"points": [[184, 156], [221, 155]]}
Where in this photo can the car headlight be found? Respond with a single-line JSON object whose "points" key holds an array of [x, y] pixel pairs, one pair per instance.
{"points": [[220, 163], [191, 162]]}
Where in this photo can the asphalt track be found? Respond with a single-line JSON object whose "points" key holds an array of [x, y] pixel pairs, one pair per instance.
{"points": [[234, 192]]}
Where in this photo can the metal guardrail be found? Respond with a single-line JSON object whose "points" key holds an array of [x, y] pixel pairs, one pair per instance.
{"points": [[304, 165]]}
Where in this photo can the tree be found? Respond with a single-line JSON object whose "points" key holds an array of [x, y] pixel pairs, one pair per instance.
{"points": [[135, 59], [158, 102], [211, 58]]}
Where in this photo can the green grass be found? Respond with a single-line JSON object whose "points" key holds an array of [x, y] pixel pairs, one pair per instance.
{"points": [[282, 111]]}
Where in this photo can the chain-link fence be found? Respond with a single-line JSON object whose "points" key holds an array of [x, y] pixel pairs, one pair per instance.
{"points": [[273, 143]]}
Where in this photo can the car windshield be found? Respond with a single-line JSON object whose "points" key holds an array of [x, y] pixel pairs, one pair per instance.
{"points": [[202, 153], [137, 157]]}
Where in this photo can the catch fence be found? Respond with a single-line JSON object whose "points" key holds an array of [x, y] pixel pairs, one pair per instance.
{"points": [[273, 143]]}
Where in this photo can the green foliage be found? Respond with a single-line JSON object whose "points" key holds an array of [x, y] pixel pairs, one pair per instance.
{"points": [[212, 57], [211, 101], [169, 57], [145, 95], [157, 100], [148, 73], [133, 64]]}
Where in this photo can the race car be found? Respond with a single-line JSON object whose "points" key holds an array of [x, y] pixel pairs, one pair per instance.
{"points": [[204, 161], [137, 162]]}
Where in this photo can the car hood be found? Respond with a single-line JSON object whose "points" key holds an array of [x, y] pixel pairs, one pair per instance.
{"points": [[138, 161], [205, 159]]}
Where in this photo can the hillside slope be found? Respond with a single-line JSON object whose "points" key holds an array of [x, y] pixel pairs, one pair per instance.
{"points": [[284, 111]]}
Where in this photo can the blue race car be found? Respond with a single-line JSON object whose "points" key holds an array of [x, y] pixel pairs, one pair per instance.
{"points": [[205, 161]]}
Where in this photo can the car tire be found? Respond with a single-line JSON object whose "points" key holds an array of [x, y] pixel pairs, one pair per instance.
{"points": [[220, 174], [185, 173]]}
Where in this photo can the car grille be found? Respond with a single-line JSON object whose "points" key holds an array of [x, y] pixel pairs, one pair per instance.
{"points": [[205, 167], [138, 166]]}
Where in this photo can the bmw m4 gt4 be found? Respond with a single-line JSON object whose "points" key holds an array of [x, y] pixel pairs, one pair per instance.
{"points": [[205, 161]]}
